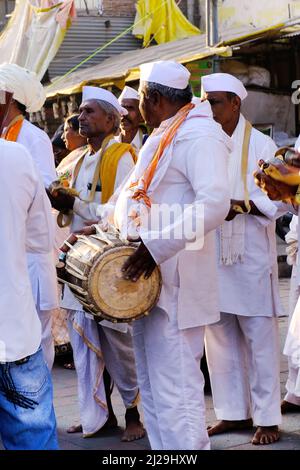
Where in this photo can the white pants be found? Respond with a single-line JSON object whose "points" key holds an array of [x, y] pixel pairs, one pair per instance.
{"points": [[293, 376], [47, 344], [243, 361], [170, 380]]}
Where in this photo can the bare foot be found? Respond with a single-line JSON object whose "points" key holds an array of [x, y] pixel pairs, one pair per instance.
{"points": [[133, 432], [134, 429], [265, 435], [227, 426], [111, 423], [74, 429], [287, 407]]}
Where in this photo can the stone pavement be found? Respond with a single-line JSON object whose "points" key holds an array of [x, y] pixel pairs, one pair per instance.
{"points": [[65, 398]]}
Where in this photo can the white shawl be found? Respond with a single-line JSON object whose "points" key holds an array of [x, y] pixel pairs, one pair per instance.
{"points": [[232, 233]]}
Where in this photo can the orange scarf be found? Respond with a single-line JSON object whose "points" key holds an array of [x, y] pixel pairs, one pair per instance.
{"points": [[168, 136], [13, 130]]}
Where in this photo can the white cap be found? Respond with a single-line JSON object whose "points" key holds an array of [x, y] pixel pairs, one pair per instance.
{"points": [[224, 82], [128, 93], [24, 84], [96, 93], [165, 72]]}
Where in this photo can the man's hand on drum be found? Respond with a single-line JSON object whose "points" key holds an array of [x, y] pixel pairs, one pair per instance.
{"points": [[141, 262], [88, 230], [60, 199], [276, 190]]}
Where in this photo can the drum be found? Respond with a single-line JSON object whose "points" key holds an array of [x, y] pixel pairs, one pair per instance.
{"points": [[93, 273]]}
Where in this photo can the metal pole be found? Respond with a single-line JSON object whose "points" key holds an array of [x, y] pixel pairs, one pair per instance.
{"points": [[215, 35], [212, 36], [207, 15]]}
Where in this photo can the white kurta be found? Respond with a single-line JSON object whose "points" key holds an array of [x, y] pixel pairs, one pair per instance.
{"points": [[84, 211], [196, 176], [242, 348], [41, 266], [136, 142], [26, 226], [250, 287], [169, 342]]}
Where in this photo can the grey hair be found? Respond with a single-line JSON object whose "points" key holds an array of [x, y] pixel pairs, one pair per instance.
{"points": [[111, 111], [174, 95]]}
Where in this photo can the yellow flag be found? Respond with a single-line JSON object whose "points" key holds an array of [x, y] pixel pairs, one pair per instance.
{"points": [[162, 20]]}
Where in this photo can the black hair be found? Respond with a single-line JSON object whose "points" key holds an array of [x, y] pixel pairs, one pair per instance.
{"points": [[57, 137], [21, 107], [230, 95], [73, 121], [172, 94]]}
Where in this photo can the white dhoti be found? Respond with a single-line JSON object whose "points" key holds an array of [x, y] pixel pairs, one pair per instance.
{"points": [[170, 380], [95, 347], [292, 348], [89, 365], [243, 360], [118, 354]]}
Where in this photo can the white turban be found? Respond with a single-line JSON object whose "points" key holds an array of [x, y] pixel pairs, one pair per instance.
{"points": [[24, 84], [165, 72], [96, 93], [128, 93], [223, 82]]}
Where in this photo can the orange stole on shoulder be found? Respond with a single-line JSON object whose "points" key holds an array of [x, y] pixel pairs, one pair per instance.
{"points": [[14, 128], [167, 137], [109, 165]]}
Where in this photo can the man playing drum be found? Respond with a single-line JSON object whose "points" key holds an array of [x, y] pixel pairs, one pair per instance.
{"points": [[181, 167], [102, 167]]}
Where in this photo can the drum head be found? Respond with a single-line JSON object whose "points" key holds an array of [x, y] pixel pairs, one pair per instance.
{"points": [[120, 300]]}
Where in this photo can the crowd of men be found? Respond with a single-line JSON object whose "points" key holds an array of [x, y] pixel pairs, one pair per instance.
{"points": [[124, 158]]}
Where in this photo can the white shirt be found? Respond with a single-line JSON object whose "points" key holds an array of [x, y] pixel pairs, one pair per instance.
{"points": [[137, 141], [41, 266], [196, 176], [88, 211], [39, 146], [250, 287], [26, 225]]}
